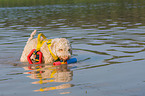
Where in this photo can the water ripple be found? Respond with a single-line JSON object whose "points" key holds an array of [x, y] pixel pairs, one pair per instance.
{"points": [[119, 38]]}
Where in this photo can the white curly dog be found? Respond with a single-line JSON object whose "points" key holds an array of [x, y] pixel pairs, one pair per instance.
{"points": [[60, 47]]}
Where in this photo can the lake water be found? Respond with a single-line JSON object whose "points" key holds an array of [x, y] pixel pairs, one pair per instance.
{"points": [[108, 39]]}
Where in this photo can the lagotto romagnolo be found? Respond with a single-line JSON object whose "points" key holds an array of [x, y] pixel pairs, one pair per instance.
{"points": [[60, 47]]}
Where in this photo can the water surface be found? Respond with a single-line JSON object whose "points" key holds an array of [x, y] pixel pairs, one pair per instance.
{"points": [[108, 39]]}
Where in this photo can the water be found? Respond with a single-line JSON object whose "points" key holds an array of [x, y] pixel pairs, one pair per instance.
{"points": [[108, 39]]}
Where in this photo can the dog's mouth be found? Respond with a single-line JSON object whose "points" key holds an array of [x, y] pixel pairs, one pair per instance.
{"points": [[64, 59]]}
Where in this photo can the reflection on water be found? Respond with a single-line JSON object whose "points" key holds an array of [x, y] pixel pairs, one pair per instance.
{"points": [[48, 73]]}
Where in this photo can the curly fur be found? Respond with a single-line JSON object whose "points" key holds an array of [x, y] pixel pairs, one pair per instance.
{"points": [[59, 46]]}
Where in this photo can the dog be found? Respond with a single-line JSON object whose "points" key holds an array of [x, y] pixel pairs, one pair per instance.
{"points": [[60, 47]]}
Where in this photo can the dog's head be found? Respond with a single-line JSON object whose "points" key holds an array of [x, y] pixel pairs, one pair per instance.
{"points": [[61, 48]]}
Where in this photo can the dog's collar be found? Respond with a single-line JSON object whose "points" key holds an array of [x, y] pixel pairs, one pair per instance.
{"points": [[48, 41]]}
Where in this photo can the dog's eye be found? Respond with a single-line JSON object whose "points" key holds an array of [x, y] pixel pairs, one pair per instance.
{"points": [[60, 49]]}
